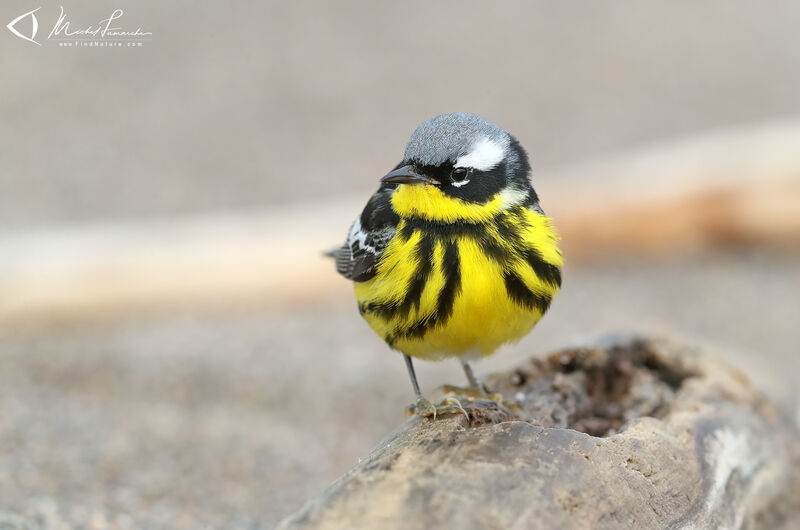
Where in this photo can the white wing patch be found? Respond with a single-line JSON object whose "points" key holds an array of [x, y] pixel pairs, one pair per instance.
{"points": [[359, 255], [358, 235], [485, 154]]}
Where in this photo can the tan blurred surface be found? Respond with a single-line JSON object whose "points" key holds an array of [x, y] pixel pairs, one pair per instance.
{"points": [[710, 191], [190, 417]]}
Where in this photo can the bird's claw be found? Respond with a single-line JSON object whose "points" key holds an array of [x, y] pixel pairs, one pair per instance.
{"points": [[424, 408], [473, 392]]}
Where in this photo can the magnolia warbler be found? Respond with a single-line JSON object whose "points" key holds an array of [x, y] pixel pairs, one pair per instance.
{"points": [[453, 256]]}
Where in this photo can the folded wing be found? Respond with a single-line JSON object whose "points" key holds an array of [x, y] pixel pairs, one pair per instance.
{"points": [[369, 235]]}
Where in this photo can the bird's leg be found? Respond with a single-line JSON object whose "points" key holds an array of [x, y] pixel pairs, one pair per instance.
{"points": [[476, 389], [472, 378], [423, 407]]}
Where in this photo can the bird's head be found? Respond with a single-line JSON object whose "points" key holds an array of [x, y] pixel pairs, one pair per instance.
{"points": [[460, 167]]}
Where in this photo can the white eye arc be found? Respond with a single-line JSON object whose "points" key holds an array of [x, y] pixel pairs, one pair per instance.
{"points": [[460, 176]]}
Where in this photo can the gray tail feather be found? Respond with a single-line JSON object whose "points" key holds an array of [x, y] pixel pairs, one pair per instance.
{"points": [[331, 252]]}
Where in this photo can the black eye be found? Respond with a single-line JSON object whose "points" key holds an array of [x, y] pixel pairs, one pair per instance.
{"points": [[459, 174]]}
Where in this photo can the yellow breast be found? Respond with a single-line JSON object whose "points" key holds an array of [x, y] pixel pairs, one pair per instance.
{"points": [[450, 289]]}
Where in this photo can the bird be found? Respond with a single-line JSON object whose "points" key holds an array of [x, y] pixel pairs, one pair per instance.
{"points": [[453, 255]]}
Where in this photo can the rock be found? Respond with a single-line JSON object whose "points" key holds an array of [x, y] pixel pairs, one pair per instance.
{"points": [[638, 433]]}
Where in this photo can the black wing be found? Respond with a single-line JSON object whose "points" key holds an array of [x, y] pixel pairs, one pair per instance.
{"points": [[369, 235]]}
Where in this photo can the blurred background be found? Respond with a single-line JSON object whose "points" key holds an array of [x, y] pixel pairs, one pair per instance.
{"points": [[175, 352]]}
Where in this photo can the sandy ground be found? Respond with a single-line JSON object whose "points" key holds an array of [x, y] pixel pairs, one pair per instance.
{"points": [[233, 419]]}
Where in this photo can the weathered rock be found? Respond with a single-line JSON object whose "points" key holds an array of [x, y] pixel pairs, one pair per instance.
{"points": [[634, 434]]}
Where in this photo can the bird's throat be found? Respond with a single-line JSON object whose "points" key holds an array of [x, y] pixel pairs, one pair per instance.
{"points": [[430, 203]]}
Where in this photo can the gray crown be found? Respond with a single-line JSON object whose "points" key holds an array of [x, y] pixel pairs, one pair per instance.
{"points": [[449, 136]]}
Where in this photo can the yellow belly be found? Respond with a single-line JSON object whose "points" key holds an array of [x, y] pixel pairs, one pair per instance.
{"points": [[482, 315]]}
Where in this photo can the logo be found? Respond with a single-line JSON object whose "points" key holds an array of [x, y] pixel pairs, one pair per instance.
{"points": [[34, 22], [107, 32]]}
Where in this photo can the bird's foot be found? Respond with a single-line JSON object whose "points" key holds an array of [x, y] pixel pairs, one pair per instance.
{"points": [[426, 409], [473, 392], [478, 392]]}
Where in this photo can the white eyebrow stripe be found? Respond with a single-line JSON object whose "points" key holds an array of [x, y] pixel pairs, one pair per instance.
{"points": [[485, 154]]}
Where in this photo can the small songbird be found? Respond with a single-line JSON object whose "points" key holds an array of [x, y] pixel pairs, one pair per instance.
{"points": [[453, 256]]}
